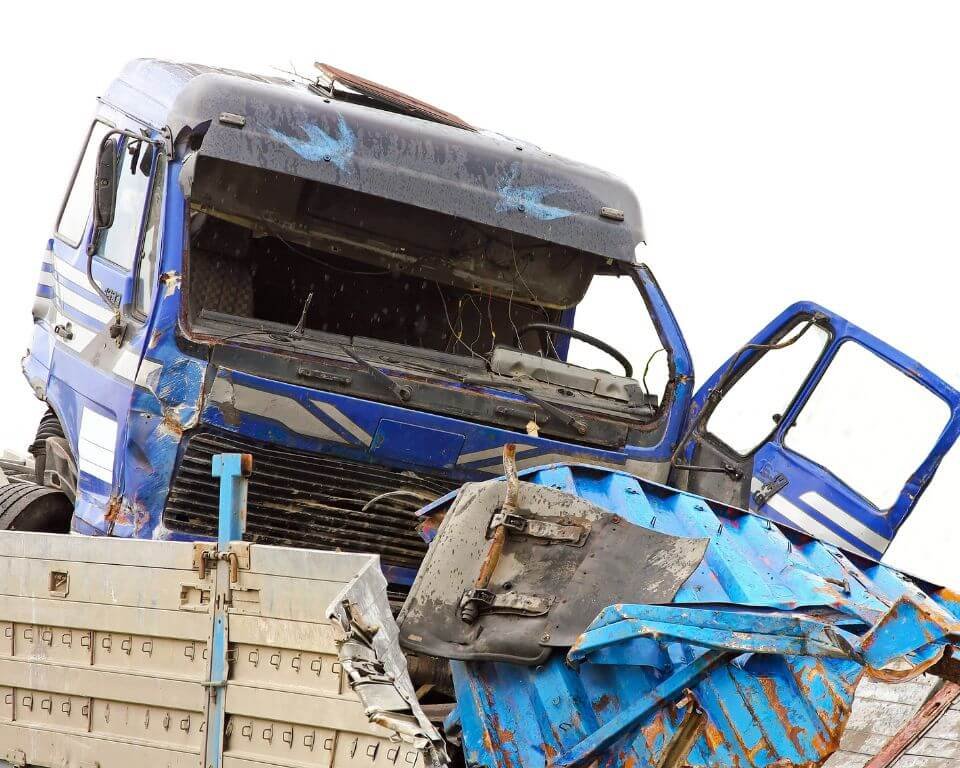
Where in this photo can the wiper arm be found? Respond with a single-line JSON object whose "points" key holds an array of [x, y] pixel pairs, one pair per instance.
{"points": [[577, 424], [401, 391]]}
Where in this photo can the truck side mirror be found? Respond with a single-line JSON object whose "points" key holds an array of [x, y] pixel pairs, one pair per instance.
{"points": [[105, 185]]}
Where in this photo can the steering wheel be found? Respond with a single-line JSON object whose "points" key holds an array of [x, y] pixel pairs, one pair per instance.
{"points": [[586, 338]]}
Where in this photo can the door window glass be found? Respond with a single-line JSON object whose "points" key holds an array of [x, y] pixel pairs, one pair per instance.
{"points": [[118, 244], [750, 410], [868, 423], [79, 201], [147, 269]]}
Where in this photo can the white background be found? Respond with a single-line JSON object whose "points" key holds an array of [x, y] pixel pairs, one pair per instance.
{"points": [[779, 150]]}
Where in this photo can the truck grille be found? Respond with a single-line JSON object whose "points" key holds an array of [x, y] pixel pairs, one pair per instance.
{"points": [[303, 499]]}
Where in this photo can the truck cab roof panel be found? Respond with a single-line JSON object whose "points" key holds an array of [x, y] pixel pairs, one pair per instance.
{"points": [[479, 176]]}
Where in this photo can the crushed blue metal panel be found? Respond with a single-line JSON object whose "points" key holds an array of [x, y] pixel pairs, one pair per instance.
{"points": [[755, 664]]}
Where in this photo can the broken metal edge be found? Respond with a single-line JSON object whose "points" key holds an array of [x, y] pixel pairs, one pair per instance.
{"points": [[368, 646]]}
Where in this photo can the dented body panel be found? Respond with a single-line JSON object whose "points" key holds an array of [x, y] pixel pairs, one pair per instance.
{"points": [[753, 663]]}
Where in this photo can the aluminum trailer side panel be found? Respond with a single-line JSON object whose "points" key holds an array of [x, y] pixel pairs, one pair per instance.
{"points": [[104, 657]]}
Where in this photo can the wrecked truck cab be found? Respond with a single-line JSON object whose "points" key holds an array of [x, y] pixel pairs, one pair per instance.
{"points": [[373, 297], [371, 301]]}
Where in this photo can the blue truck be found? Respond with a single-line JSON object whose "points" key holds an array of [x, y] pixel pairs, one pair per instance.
{"points": [[372, 298]]}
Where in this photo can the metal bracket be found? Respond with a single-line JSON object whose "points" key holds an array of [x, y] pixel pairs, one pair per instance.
{"points": [[570, 533], [734, 473], [487, 601], [769, 490]]}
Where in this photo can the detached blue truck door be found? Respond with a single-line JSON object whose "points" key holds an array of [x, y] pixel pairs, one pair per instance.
{"points": [[92, 371], [822, 426]]}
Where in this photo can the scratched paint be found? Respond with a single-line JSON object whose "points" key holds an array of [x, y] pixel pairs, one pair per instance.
{"points": [[528, 199], [323, 146]]}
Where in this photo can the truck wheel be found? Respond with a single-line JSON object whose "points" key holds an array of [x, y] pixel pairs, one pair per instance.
{"points": [[49, 427], [25, 506]]}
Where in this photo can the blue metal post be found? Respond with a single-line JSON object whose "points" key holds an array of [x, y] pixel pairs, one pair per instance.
{"points": [[233, 470]]}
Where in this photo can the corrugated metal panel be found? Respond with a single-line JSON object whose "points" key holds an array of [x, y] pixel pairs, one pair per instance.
{"points": [[760, 711]]}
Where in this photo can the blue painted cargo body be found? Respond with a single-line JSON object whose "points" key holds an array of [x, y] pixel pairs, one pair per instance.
{"points": [[743, 637]]}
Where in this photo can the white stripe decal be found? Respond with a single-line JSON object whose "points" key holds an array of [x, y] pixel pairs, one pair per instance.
{"points": [[811, 525], [126, 365], [845, 520], [286, 410], [82, 335], [490, 453], [97, 445], [94, 454], [97, 429], [70, 272], [95, 470], [341, 418], [46, 278], [93, 309]]}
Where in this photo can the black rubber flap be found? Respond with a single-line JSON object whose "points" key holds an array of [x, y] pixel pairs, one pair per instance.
{"points": [[614, 562]]}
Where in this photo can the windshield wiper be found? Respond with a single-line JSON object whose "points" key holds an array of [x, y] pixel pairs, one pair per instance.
{"points": [[401, 391], [577, 424]]}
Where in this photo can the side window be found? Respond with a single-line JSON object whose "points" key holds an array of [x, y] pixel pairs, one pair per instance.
{"points": [[868, 423], [150, 250], [119, 243], [78, 203], [752, 406]]}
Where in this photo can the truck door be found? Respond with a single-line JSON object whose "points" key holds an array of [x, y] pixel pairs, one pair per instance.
{"points": [[93, 370], [820, 425]]}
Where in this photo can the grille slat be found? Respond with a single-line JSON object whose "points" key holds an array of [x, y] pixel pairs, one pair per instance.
{"points": [[305, 500]]}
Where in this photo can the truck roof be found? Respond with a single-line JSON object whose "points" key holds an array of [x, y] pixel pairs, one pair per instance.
{"points": [[366, 145]]}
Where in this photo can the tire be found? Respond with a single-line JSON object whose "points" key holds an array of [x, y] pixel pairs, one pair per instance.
{"points": [[49, 427], [25, 506]]}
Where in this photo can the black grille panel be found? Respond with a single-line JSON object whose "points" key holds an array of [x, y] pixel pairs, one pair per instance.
{"points": [[302, 499]]}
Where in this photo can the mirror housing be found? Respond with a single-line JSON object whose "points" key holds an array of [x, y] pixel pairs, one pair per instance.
{"points": [[105, 185]]}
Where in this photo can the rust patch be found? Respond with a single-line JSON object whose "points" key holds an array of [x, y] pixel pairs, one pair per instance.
{"points": [[605, 702], [115, 513], [170, 425]]}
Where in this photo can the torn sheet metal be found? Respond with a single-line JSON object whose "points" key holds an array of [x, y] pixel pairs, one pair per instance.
{"points": [[562, 560], [375, 665], [755, 663]]}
